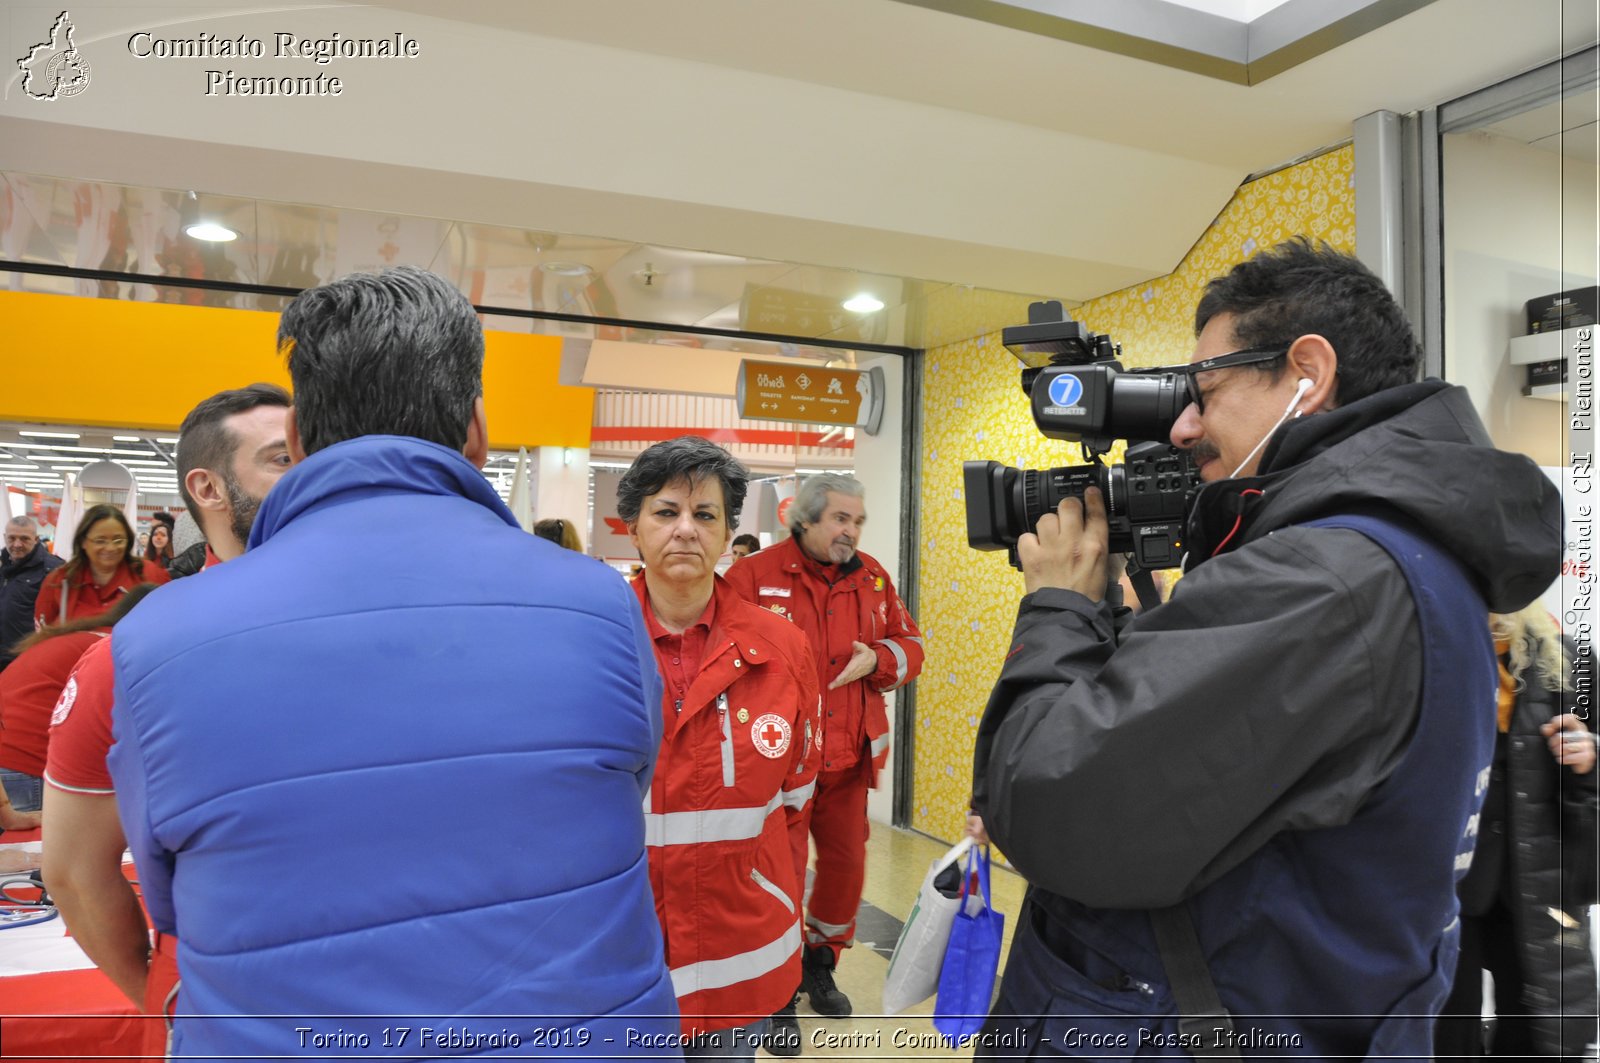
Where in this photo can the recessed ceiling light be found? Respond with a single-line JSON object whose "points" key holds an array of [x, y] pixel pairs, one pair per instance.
{"points": [[166, 439], [47, 435], [566, 269], [863, 303], [125, 439], [211, 232]]}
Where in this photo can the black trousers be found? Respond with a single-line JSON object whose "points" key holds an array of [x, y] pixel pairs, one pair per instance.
{"points": [[1488, 943]]}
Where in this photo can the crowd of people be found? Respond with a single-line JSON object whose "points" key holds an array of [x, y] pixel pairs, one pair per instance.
{"points": [[341, 704], [1279, 801]]}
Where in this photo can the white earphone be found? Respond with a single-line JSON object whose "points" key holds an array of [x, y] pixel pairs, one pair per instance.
{"points": [[1303, 385]]}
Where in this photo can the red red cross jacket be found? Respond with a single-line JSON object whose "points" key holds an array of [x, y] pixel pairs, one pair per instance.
{"points": [[861, 606], [738, 761]]}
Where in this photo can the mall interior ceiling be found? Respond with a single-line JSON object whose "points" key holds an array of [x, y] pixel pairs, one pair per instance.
{"points": [[788, 164]]}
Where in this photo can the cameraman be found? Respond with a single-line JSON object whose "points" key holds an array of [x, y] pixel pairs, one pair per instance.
{"points": [[1287, 757]]}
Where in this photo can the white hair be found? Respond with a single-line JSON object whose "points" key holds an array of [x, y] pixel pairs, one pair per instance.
{"points": [[812, 498]]}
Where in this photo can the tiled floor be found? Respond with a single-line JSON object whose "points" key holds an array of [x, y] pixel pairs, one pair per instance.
{"points": [[896, 863]]}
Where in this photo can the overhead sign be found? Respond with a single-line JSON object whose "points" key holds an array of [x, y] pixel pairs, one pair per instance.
{"points": [[787, 391]]}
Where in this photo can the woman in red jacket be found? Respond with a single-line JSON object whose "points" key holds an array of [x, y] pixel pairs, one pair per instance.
{"points": [[31, 687], [102, 569], [738, 753]]}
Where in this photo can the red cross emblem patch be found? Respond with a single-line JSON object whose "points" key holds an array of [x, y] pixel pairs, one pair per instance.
{"points": [[69, 694], [770, 733]]}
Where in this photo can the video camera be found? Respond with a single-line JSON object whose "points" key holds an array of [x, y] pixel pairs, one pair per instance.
{"points": [[1079, 392]]}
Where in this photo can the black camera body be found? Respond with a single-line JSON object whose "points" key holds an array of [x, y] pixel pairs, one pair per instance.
{"points": [[1079, 392], [1147, 501]]}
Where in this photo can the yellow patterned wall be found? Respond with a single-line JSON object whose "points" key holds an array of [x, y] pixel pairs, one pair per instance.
{"points": [[973, 409]]}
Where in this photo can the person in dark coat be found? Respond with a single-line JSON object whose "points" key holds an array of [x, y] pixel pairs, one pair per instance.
{"points": [[1523, 901], [1270, 784], [23, 567]]}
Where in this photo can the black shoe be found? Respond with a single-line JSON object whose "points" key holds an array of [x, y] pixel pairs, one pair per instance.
{"points": [[816, 981], [783, 1032]]}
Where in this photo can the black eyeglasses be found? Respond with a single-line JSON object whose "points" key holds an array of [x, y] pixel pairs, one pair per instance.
{"points": [[1248, 356]]}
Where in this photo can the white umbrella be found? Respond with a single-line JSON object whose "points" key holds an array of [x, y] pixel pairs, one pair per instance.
{"points": [[5, 503], [130, 507], [522, 492], [71, 513]]}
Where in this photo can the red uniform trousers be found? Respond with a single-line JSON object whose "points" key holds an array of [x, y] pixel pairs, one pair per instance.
{"points": [[836, 819]]}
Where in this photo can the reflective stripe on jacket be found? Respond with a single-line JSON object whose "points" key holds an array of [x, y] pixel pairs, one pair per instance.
{"points": [[737, 762], [859, 606]]}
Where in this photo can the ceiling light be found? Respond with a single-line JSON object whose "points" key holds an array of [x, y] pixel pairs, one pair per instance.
{"points": [[197, 226], [126, 439], [211, 232], [166, 439], [48, 435], [863, 303], [566, 269]]}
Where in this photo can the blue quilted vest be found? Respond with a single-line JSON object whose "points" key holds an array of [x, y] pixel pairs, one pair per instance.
{"points": [[1327, 943], [390, 804]]}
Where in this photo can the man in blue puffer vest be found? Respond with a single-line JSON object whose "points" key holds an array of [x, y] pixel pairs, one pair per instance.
{"points": [[391, 810]]}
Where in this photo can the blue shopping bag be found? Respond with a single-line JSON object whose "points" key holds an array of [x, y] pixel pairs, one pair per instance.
{"points": [[966, 979]]}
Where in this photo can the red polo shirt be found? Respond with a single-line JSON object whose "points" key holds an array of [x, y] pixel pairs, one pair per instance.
{"points": [[84, 598], [29, 690], [678, 656], [80, 727]]}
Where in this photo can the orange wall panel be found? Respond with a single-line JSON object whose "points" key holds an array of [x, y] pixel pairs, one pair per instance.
{"points": [[110, 363]]}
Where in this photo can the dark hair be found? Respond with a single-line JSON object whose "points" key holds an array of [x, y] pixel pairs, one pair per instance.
{"points": [[165, 522], [688, 458], [1299, 288], [204, 441], [561, 532], [747, 540], [392, 353], [94, 516], [130, 598]]}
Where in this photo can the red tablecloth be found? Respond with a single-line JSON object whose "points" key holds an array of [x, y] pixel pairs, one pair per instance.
{"points": [[66, 1015]]}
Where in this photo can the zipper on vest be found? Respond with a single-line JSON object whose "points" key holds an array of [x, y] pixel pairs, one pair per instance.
{"points": [[727, 739]]}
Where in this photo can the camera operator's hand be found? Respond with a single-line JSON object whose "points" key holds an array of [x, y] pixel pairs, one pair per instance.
{"points": [[1070, 549]]}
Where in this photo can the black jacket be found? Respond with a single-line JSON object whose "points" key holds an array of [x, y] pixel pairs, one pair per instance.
{"points": [[1536, 850], [1277, 689], [189, 562], [19, 588]]}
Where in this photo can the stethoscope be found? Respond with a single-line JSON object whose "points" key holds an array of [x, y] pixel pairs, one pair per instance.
{"points": [[15, 912]]}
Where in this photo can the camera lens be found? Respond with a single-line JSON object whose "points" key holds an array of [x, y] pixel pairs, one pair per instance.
{"points": [[1146, 406]]}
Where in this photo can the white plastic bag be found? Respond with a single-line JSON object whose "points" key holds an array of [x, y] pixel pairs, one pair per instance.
{"points": [[914, 968]]}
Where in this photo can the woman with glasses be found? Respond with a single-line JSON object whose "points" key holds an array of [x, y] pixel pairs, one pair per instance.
{"points": [[103, 568]]}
